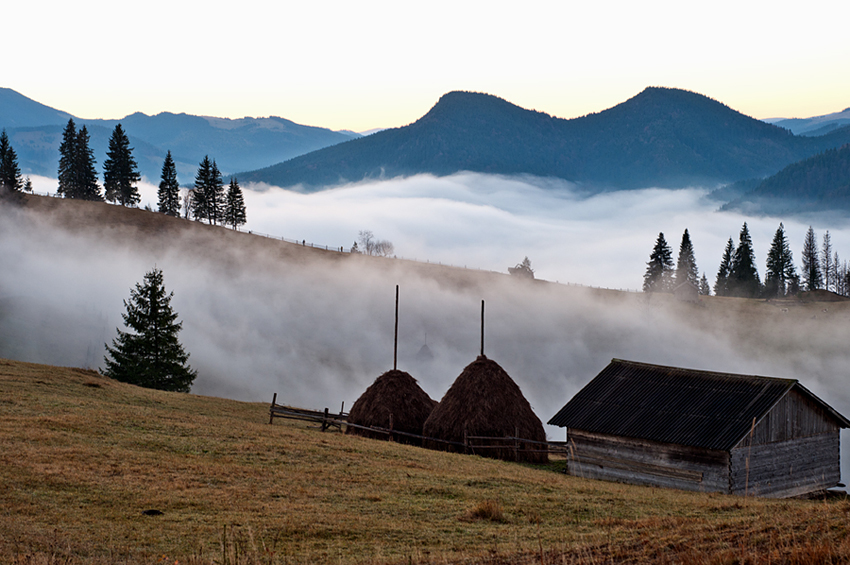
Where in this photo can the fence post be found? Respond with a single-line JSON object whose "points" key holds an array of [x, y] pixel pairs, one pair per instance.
{"points": [[325, 420], [391, 426], [271, 409], [516, 443]]}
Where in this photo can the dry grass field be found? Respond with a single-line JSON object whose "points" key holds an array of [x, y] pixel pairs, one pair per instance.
{"points": [[83, 457]]}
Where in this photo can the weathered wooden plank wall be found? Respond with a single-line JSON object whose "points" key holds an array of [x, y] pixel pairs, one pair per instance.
{"points": [[598, 456], [786, 468]]}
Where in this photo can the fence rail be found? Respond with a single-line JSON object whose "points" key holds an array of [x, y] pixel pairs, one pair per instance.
{"points": [[326, 420]]}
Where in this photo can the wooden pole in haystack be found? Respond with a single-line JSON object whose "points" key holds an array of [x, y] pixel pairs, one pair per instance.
{"points": [[395, 340], [482, 328]]}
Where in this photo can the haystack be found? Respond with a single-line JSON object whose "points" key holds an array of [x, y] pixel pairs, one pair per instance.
{"points": [[396, 394], [485, 401]]}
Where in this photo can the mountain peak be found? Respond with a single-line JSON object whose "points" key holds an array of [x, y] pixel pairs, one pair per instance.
{"points": [[16, 111]]}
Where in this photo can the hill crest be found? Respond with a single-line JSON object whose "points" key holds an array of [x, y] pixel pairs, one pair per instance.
{"points": [[663, 137]]}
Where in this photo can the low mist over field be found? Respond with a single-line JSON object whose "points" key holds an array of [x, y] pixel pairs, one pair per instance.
{"points": [[317, 328]]}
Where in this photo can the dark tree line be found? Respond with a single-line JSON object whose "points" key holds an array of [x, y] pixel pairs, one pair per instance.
{"points": [[738, 274], [207, 201]]}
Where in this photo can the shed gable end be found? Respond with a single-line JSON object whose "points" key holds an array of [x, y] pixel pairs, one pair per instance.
{"points": [[794, 416]]}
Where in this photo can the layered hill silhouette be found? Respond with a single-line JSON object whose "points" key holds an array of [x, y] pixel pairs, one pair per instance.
{"points": [[662, 137], [35, 131], [817, 125], [818, 184]]}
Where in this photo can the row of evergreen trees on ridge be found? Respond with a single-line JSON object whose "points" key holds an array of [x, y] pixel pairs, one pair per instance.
{"points": [[738, 274], [77, 176]]}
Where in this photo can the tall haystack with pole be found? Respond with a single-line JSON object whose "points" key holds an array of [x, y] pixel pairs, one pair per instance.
{"points": [[393, 403], [484, 402]]}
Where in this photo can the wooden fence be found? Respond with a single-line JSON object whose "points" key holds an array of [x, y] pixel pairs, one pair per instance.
{"points": [[324, 418], [475, 445]]}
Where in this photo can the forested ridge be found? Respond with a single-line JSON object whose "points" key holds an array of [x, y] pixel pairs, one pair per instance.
{"points": [[819, 183], [662, 137]]}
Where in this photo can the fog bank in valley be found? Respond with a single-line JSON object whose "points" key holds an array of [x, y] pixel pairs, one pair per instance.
{"points": [[317, 331]]}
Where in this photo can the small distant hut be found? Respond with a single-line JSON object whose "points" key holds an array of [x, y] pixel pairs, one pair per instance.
{"points": [[393, 402], [686, 292], [485, 401]]}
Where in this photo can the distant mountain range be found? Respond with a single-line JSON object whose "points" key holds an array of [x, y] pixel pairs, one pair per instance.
{"points": [[815, 126], [663, 137], [35, 131]]}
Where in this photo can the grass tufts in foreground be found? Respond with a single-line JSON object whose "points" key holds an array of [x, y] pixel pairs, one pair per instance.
{"points": [[84, 462]]}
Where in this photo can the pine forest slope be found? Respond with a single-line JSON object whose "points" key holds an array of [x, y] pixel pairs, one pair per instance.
{"points": [[97, 472], [662, 137], [818, 184]]}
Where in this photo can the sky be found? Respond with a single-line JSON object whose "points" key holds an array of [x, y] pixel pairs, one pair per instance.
{"points": [[375, 63]]}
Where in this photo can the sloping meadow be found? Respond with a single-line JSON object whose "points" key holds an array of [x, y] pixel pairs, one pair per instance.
{"points": [[95, 471]]}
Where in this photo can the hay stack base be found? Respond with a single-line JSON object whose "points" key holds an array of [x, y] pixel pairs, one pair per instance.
{"points": [[394, 393], [485, 401]]}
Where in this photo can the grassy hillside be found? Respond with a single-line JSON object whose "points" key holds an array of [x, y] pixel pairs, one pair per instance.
{"points": [[82, 457]]}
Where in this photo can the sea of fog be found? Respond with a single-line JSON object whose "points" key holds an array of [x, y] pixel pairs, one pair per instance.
{"points": [[320, 336]]}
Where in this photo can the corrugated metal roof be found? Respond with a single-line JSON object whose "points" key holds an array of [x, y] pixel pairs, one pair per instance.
{"points": [[673, 405]]}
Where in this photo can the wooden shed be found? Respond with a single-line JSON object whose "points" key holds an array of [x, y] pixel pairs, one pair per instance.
{"points": [[703, 431]]}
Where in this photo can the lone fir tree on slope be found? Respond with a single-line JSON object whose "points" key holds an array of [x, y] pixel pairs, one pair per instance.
{"points": [[151, 356]]}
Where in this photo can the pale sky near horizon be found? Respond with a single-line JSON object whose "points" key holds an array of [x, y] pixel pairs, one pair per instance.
{"points": [[374, 63]]}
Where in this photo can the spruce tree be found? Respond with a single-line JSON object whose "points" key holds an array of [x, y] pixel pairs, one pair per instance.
{"points": [[85, 174], [67, 159], [216, 196], [150, 355], [234, 209], [827, 267], [744, 277], [10, 172], [721, 282], [659, 269], [704, 288], [686, 265], [120, 172], [780, 271], [812, 278], [169, 188], [208, 200], [200, 202]]}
